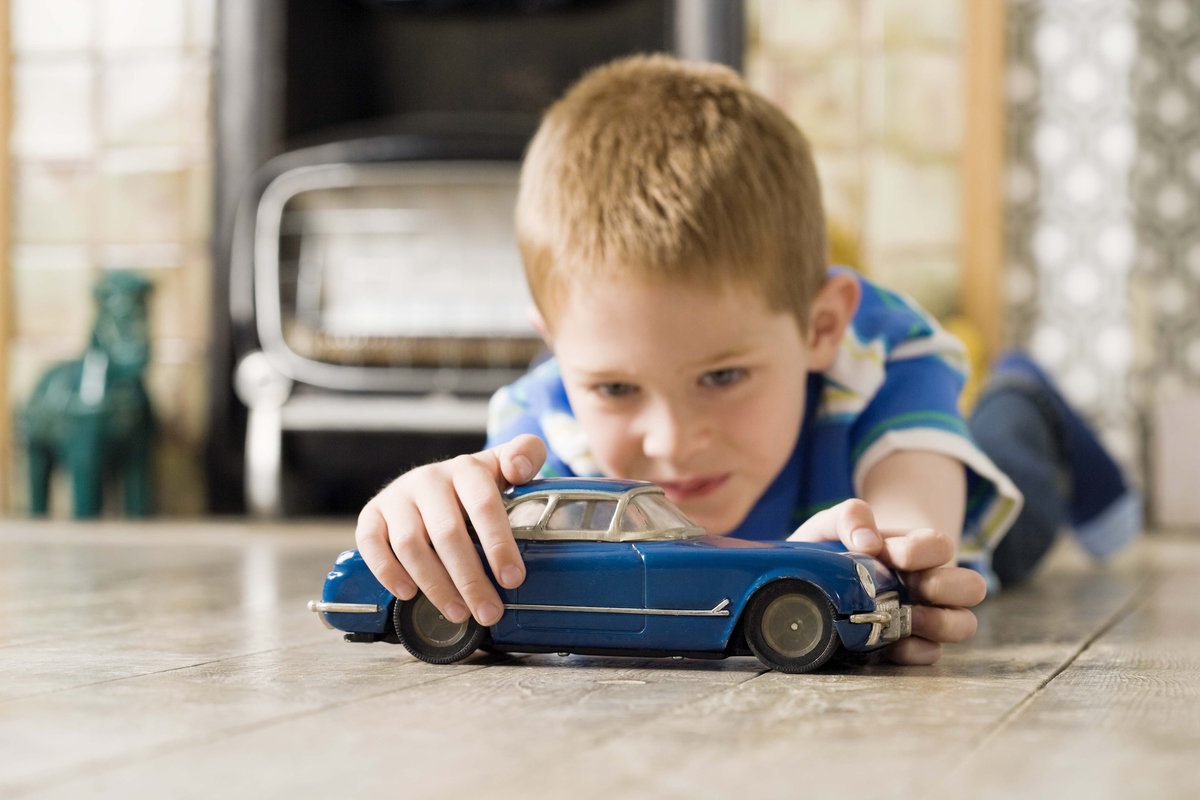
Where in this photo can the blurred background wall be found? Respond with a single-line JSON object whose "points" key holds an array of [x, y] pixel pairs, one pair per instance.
{"points": [[879, 87], [1083, 248], [111, 153]]}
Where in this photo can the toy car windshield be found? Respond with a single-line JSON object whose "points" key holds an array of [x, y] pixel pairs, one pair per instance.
{"points": [[643, 515]]}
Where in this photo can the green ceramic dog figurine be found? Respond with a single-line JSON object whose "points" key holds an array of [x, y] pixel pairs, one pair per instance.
{"points": [[93, 415]]}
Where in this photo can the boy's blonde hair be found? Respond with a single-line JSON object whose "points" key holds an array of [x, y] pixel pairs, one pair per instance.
{"points": [[664, 170]]}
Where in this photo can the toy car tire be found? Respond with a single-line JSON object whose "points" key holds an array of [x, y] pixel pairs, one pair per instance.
{"points": [[789, 627], [429, 636]]}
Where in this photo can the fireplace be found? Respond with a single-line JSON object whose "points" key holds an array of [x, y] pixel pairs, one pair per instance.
{"points": [[367, 160]]}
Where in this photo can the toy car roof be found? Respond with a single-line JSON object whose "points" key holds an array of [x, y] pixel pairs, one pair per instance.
{"points": [[613, 486]]}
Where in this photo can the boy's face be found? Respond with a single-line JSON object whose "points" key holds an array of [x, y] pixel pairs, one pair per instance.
{"points": [[700, 391]]}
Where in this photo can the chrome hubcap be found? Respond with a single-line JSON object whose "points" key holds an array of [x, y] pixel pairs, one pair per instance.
{"points": [[432, 627], [792, 625]]}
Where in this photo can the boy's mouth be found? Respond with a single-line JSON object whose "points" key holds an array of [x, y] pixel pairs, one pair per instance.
{"points": [[692, 488]]}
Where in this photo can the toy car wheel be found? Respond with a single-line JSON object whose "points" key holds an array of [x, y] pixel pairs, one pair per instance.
{"points": [[431, 637], [789, 626]]}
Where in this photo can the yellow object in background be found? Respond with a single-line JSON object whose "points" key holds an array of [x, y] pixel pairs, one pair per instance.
{"points": [[977, 356], [844, 249]]}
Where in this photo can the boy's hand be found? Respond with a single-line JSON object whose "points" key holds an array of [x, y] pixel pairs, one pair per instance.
{"points": [[941, 592], [413, 534]]}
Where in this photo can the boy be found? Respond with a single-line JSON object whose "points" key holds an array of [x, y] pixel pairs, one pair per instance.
{"points": [[671, 227]]}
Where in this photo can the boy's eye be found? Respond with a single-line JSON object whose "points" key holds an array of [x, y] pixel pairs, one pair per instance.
{"points": [[723, 377], [614, 389]]}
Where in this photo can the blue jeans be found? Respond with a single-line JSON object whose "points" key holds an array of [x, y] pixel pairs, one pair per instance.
{"points": [[1018, 427]]}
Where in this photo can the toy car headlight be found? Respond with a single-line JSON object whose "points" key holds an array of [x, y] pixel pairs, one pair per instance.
{"points": [[864, 577]]}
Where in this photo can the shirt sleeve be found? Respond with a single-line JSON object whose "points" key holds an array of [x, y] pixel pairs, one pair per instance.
{"points": [[509, 416], [537, 404], [913, 405]]}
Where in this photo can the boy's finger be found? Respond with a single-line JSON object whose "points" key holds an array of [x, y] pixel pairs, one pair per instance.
{"points": [[371, 536], [855, 525], [943, 624], [851, 522], [914, 650], [409, 542], [916, 550], [948, 586], [481, 501], [443, 518]]}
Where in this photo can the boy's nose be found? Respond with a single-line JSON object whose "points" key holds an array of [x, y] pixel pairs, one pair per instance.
{"points": [[673, 433]]}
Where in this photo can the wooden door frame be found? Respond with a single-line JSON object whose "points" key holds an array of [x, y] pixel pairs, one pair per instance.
{"points": [[981, 293]]}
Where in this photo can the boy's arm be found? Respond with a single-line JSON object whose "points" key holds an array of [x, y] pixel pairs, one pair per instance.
{"points": [[912, 489], [916, 495], [910, 517]]}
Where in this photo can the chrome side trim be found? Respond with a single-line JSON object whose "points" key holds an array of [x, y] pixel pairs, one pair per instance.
{"points": [[719, 610], [872, 617], [322, 607]]}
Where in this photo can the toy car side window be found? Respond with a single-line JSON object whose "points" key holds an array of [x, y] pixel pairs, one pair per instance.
{"points": [[582, 515], [567, 516], [526, 513], [602, 514]]}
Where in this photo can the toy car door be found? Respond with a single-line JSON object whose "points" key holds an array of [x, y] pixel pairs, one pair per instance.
{"points": [[574, 580]]}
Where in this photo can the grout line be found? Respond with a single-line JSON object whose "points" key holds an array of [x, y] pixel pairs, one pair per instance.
{"points": [[1137, 598]]}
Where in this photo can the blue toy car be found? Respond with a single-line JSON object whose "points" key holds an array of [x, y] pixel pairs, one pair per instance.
{"points": [[614, 568]]}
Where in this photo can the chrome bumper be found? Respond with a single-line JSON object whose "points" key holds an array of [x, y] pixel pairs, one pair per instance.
{"points": [[889, 621]]}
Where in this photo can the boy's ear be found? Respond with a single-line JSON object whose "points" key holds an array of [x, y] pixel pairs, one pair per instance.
{"points": [[831, 312], [539, 323]]}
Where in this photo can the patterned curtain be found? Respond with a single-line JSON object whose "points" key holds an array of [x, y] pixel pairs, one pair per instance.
{"points": [[1072, 233], [1167, 187]]}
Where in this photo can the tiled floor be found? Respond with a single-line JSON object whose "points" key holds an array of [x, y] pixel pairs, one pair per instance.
{"points": [[178, 660]]}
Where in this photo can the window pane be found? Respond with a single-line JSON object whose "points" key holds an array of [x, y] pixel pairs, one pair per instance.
{"points": [[527, 513], [634, 519], [568, 516], [602, 514], [662, 513]]}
